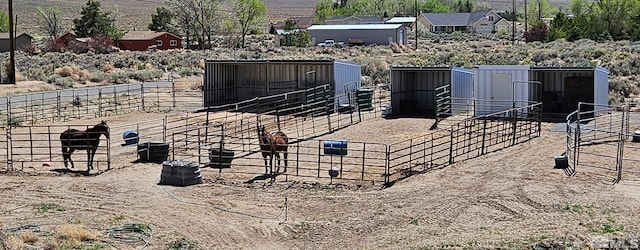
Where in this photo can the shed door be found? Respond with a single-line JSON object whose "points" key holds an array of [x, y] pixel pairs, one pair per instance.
{"points": [[502, 88]]}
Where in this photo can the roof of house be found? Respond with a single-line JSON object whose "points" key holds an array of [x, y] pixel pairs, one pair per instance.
{"points": [[144, 35], [355, 27], [455, 19], [301, 22], [361, 18], [408, 19], [6, 35]]}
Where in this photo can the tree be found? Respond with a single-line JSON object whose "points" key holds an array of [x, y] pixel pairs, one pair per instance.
{"points": [[4, 22], [162, 20], [94, 22], [537, 33], [463, 7], [293, 36], [249, 14], [198, 19], [50, 21], [433, 6], [534, 15]]}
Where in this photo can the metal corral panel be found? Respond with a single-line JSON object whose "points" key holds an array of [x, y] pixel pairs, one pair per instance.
{"points": [[347, 77], [413, 88], [495, 89], [461, 90], [371, 33], [230, 81]]}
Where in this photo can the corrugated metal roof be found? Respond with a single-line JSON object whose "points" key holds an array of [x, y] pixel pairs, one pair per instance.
{"points": [[455, 19], [355, 27], [144, 35], [408, 19], [271, 61]]}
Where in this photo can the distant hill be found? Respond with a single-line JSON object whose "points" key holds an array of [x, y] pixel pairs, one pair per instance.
{"points": [[135, 14]]}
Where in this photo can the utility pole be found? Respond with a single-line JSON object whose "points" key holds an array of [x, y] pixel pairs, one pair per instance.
{"points": [[539, 11], [415, 24], [513, 23], [526, 15], [11, 74]]}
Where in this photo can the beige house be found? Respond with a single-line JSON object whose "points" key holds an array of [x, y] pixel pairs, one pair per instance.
{"points": [[503, 26], [482, 21]]}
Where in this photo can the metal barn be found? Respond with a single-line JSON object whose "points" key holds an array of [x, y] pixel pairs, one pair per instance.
{"points": [[413, 89], [230, 81], [381, 34], [500, 87]]}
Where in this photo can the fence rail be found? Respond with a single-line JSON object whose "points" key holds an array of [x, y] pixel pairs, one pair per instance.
{"points": [[65, 105], [305, 116], [597, 141]]}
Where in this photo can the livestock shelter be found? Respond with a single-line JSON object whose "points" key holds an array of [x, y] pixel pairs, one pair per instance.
{"points": [[501, 87], [413, 89], [231, 81], [381, 34], [564, 87]]}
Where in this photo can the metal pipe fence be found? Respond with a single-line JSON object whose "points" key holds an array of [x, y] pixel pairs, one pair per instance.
{"points": [[602, 140], [69, 104]]}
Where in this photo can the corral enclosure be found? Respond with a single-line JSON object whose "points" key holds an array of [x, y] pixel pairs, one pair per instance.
{"points": [[309, 118], [231, 81]]}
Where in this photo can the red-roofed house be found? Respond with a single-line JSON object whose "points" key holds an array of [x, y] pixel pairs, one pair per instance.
{"points": [[144, 40]]}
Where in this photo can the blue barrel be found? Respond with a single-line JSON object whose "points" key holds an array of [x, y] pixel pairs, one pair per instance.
{"points": [[130, 137], [335, 147]]}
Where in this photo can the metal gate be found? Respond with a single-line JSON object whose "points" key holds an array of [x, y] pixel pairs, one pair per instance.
{"points": [[597, 141]]}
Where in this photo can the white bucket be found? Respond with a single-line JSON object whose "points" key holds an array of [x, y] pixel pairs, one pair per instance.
{"points": [[385, 110]]}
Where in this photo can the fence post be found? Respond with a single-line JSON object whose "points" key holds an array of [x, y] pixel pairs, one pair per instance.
{"points": [[115, 100], [164, 131], [484, 134], [364, 149], [173, 90], [387, 165], [142, 95], [451, 145], [100, 102], [326, 107], [515, 126], [319, 154]]}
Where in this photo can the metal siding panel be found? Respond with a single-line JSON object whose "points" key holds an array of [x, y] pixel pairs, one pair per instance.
{"points": [[483, 86], [601, 86], [346, 77], [461, 88]]}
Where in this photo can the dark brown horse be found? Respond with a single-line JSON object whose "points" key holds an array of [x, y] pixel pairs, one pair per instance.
{"points": [[89, 139], [271, 145]]}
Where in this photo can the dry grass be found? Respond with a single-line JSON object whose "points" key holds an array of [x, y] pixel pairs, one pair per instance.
{"points": [[13, 242], [28, 237], [72, 71], [74, 232]]}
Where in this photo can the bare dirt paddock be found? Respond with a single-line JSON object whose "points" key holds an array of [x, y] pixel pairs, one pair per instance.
{"points": [[512, 198]]}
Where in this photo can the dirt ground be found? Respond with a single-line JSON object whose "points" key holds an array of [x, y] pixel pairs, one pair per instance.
{"points": [[512, 198]]}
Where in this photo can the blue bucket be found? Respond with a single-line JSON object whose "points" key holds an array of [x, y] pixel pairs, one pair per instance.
{"points": [[130, 137], [335, 147]]}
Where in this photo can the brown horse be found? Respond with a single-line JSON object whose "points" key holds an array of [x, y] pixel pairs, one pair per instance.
{"points": [[271, 145], [89, 139]]}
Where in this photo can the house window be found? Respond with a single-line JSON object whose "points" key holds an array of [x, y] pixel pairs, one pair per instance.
{"points": [[491, 18], [173, 43], [158, 43]]}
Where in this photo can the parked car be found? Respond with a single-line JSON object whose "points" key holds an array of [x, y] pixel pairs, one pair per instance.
{"points": [[330, 43]]}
